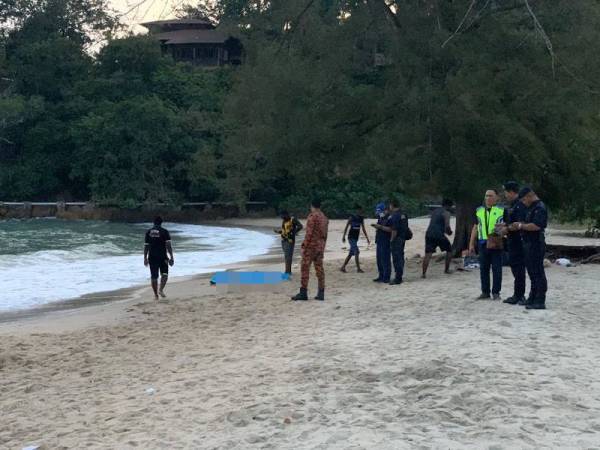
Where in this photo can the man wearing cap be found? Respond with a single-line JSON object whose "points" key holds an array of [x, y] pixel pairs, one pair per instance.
{"points": [[489, 244], [515, 213], [382, 240], [534, 244]]}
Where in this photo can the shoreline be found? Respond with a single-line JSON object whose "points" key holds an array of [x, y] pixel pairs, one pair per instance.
{"points": [[94, 306], [136, 292]]}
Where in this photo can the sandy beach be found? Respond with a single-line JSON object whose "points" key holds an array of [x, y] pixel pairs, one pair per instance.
{"points": [[421, 365]]}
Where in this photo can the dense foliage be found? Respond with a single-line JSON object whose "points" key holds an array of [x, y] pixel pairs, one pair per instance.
{"points": [[352, 100]]}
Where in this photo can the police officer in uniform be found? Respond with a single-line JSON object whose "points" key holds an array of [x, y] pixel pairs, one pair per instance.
{"points": [[382, 240], [534, 244], [488, 216], [515, 213]]}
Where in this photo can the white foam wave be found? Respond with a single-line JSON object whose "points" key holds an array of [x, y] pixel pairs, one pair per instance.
{"points": [[34, 279]]}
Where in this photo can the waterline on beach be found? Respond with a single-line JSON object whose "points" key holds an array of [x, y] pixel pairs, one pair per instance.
{"points": [[49, 260]]}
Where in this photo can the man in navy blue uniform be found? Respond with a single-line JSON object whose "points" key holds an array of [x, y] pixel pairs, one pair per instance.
{"points": [[534, 244], [516, 212], [382, 240], [397, 229], [399, 233]]}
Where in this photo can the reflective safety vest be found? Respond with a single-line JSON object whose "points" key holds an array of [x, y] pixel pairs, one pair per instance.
{"points": [[486, 221]]}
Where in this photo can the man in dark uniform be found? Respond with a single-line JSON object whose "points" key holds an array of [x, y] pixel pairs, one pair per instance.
{"points": [[534, 244], [396, 227], [382, 240], [398, 236], [515, 213], [157, 244]]}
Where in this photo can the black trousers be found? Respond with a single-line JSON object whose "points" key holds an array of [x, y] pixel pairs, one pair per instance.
{"points": [[397, 248], [490, 259], [516, 259], [534, 261]]}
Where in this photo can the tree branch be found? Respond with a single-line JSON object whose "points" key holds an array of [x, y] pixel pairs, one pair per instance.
{"points": [[471, 6], [545, 37]]}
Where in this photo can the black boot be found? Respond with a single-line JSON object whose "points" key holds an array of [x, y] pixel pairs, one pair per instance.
{"points": [[536, 304], [302, 295], [524, 301], [514, 300], [320, 295]]}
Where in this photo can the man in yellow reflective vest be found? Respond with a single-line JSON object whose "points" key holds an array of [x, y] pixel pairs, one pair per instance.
{"points": [[489, 244]]}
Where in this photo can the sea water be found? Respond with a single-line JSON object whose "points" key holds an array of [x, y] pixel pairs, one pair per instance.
{"points": [[48, 260]]}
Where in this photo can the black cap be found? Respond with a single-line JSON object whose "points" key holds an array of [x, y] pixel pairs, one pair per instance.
{"points": [[511, 186], [524, 191]]}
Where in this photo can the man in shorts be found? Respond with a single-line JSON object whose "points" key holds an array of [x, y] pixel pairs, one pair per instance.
{"points": [[435, 237], [356, 222], [157, 244]]}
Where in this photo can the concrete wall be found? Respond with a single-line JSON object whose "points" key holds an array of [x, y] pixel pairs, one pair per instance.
{"points": [[89, 211]]}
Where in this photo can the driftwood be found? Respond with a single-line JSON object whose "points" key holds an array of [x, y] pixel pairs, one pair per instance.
{"points": [[573, 252], [594, 259]]}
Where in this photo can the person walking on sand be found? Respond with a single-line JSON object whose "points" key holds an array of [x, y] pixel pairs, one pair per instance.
{"points": [[313, 250], [356, 222], [489, 244], [157, 244], [439, 227], [515, 213], [290, 227], [382, 242]]}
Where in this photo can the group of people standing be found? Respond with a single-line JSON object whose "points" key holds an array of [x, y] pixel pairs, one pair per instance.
{"points": [[392, 232], [515, 231], [522, 224]]}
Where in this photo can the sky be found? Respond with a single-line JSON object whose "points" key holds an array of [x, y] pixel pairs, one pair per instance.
{"points": [[145, 10]]}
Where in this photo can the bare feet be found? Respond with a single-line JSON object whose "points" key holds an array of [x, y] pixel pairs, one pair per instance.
{"points": [[360, 271], [343, 269], [162, 294]]}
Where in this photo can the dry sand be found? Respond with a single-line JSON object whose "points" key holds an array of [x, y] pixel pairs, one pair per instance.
{"points": [[421, 365]]}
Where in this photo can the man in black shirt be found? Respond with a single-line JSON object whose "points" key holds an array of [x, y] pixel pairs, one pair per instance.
{"points": [[157, 244], [356, 222], [534, 245], [515, 213], [439, 227]]}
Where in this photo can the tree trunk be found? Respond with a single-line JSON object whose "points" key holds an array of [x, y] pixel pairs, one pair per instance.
{"points": [[465, 219]]}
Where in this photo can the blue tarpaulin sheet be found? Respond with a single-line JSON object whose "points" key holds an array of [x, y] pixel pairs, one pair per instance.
{"points": [[249, 278]]}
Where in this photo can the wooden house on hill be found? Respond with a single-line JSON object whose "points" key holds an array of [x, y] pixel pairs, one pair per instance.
{"points": [[196, 41]]}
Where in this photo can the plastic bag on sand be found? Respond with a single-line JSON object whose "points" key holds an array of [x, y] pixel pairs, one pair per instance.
{"points": [[565, 262]]}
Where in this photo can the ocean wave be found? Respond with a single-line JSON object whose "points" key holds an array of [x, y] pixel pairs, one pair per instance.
{"points": [[45, 276]]}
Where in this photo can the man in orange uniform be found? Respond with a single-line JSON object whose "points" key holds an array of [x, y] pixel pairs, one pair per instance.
{"points": [[313, 249]]}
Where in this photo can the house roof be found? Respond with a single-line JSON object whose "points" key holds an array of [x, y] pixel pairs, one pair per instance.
{"points": [[191, 37], [169, 23]]}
